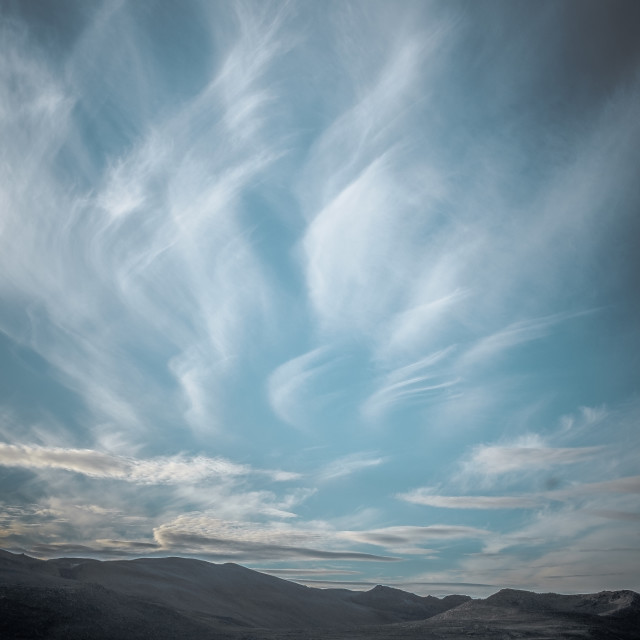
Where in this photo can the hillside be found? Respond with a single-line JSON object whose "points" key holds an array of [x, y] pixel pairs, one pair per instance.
{"points": [[164, 598]]}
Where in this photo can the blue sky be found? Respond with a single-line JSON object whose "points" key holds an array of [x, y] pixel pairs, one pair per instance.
{"points": [[345, 291]]}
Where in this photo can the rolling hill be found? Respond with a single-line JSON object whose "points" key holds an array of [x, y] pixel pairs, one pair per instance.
{"points": [[163, 598]]}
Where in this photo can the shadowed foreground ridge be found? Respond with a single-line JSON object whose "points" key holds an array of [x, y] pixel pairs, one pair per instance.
{"points": [[184, 598]]}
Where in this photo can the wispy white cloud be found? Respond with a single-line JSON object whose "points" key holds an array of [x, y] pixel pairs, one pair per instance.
{"points": [[82, 461], [162, 470], [348, 465], [278, 541], [290, 386], [416, 327], [525, 454], [491, 347], [413, 382], [566, 550], [628, 484], [348, 248], [362, 194], [138, 245], [571, 544], [581, 423], [61, 520], [250, 541], [410, 539], [567, 537], [428, 497]]}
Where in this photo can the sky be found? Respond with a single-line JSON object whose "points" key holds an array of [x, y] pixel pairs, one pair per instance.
{"points": [[342, 291]]}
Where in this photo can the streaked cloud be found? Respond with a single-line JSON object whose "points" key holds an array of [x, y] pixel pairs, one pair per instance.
{"points": [[409, 539], [428, 497], [527, 453], [247, 541], [630, 484], [245, 551], [290, 386], [415, 382], [349, 464], [491, 347], [162, 470]]}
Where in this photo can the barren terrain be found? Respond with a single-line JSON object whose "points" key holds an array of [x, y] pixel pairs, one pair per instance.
{"points": [[162, 598]]}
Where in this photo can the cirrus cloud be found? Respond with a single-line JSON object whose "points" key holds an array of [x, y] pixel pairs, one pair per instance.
{"points": [[177, 469]]}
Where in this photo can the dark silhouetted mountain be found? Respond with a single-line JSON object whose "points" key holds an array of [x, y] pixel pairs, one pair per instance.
{"points": [[396, 603], [162, 598]]}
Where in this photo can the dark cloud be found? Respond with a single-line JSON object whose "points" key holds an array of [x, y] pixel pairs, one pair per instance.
{"points": [[582, 49]]}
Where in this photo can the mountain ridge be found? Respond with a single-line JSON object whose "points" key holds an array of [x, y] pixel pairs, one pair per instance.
{"points": [[163, 598], [243, 596]]}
